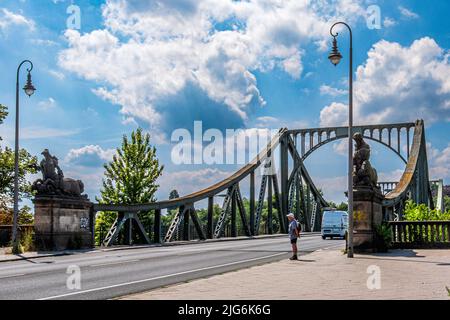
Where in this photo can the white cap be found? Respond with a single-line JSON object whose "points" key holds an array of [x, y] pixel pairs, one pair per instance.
{"points": [[290, 215]]}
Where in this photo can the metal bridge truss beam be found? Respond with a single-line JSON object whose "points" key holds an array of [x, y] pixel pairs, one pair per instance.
{"points": [[119, 223], [232, 203], [368, 131], [312, 218], [180, 223], [269, 181], [414, 183]]}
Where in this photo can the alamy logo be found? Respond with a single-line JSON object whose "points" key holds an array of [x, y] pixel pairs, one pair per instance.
{"points": [[212, 147], [374, 280], [74, 280], [373, 18], [74, 19]]}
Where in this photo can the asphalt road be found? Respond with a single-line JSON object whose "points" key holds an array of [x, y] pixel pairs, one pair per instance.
{"points": [[115, 273]]}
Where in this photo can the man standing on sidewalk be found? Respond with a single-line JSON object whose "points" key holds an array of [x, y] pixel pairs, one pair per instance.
{"points": [[293, 235]]}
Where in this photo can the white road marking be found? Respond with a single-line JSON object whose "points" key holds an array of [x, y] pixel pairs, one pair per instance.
{"points": [[113, 263], [12, 276], [161, 277]]}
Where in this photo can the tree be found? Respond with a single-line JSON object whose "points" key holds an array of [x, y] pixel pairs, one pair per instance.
{"points": [[173, 195], [27, 165], [341, 207], [25, 215], [130, 178], [3, 114], [421, 212]]}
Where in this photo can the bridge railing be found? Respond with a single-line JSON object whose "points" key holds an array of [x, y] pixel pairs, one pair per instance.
{"points": [[420, 234]]}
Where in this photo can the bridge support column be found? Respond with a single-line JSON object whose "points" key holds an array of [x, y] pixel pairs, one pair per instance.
{"points": [[63, 223], [252, 203], [284, 177], [210, 227], [157, 227], [367, 216], [186, 224]]}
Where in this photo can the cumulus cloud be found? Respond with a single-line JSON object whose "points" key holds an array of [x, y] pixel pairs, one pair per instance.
{"points": [[334, 114], [90, 156], [9, 19], [150, 51], [398, 83]]}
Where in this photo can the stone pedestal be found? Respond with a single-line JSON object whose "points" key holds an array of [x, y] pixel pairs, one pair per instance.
{"points": [[367, 215], [63, 223]]}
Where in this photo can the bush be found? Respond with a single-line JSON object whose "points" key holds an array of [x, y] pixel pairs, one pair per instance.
{"points": [[27, 241], [420, 212], [383, 237]]}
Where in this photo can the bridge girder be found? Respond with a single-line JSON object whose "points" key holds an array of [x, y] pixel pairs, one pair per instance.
{"points": [[297, 188]]}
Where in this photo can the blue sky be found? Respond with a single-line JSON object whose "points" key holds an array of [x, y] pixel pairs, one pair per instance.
{"points": [[162, 65]]}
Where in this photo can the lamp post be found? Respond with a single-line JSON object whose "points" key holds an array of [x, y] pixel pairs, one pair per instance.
{"points": [[335, 57], [29, 90]]}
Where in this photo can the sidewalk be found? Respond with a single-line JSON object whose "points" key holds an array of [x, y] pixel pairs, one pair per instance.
{"points": [[324, 274]]}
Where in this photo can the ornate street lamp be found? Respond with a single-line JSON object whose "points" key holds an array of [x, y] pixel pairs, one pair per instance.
{"points": [[335, 57], [29, 90]]}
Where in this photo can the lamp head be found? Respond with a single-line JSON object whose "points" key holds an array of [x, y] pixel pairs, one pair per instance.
{"points": [[29, 88], [335, 56]]}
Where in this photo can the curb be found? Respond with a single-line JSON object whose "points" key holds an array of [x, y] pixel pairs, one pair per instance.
{"points": [[170, 244]]}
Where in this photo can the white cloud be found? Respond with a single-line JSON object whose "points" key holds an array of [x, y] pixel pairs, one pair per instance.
{"points": [[90, 155], [389, 22], [327, 90], [391, 176], [36, 132], [341, 147], [44, 42], [267, 121], [398, 84], [57, 74], [333, 187], [439, 162], [334, 114], [198, 180], [8, 19], [151, 51], [47, 104], [408, 13]]}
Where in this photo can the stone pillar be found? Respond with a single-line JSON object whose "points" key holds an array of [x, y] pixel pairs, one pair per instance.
{"points": [[63, 223], [367, 215]]}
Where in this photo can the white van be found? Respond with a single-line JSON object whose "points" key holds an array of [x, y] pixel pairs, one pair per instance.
{"points": [[334, 224]]}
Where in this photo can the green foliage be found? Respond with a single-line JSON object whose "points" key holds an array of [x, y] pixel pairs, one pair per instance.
{"points": [[420, 212], [27, 165], [130, 178], [25, 215], [383, 237], [173, 195], [341, 207], [447, 202], [3, 114], [27, 241]]}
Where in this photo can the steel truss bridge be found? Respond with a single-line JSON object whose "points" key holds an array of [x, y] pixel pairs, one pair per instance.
{"points": [[292, 190]]}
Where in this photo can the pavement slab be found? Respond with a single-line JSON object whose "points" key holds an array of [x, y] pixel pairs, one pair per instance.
{"points": [[325, 274]]}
